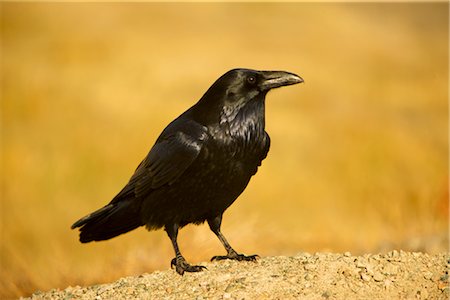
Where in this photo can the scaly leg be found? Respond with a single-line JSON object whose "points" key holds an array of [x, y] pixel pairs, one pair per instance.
{"points": [[179, 262], [214, 225]]}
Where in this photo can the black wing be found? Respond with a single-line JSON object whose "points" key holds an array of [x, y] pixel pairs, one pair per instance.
{"points": [[174, 151]]}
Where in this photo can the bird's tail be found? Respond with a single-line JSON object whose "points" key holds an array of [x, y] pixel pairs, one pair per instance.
{"points": [[109, 221]]}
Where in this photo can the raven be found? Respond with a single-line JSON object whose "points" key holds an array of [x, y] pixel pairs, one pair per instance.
{"points": [[199, 165]]}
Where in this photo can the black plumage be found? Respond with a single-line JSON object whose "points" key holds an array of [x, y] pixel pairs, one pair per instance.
{"points": [[199, 165]]}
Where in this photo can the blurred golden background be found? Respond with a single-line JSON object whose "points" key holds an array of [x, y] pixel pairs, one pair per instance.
{"points": [[358, 160]]}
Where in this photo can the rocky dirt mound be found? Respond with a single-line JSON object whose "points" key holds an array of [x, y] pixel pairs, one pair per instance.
{"points": [[395, 275]]}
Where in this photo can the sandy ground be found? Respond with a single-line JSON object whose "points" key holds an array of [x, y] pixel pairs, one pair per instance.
{"points": [[394, 275]]}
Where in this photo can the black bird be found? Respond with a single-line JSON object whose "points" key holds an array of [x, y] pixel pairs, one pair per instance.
{"points": [[199, 165]]}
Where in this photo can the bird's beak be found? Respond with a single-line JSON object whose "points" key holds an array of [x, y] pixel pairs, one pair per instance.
{"points": [[275, 79]]}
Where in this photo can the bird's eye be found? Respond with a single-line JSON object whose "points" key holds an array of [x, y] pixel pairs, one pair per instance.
{"points": [[251, 79]]}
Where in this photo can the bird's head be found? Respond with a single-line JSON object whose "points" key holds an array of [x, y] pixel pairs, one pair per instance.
{"points": [[238, 83], [238, 87]]}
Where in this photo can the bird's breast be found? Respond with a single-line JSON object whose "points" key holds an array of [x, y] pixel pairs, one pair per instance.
{"points": [[238, 149]]}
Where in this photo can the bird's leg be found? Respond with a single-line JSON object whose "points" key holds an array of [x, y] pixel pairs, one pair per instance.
{"points": [[214, 225], [179, 262]]}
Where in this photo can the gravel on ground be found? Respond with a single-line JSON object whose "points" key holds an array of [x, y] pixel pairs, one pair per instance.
{"points": [[393, 275]]}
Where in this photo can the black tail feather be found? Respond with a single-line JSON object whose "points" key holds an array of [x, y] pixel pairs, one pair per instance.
{"points": [[108, 222]]}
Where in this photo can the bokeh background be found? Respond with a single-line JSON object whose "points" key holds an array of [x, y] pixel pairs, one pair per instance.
{"points": [[359, 154]]}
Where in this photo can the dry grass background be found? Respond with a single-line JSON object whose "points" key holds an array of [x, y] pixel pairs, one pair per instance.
{"points": [[359, 152]]}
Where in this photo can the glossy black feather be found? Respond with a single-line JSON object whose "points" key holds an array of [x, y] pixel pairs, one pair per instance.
{"points": [[200, 163]]}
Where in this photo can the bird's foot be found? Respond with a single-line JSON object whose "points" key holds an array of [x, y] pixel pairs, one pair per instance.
{"points": [[235, 256], [182, 266]]}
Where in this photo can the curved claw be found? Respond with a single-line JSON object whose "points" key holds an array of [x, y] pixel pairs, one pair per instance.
{"points": [[182, 266], [238, 257]]}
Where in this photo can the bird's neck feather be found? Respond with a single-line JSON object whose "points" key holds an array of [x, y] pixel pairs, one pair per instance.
{"points": [[244, 117], [239, 113]]}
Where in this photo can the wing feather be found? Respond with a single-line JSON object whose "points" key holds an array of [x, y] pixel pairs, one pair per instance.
{"points": [[174, 151]]}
